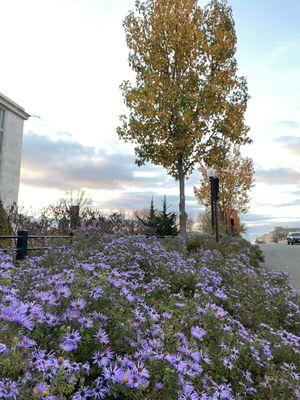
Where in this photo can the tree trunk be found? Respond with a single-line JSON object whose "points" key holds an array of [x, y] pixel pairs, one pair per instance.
{"points": [[182, 214]]}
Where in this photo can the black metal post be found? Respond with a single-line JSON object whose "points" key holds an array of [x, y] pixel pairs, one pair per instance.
{"points": [[215, 198], [22, 244], [216, 221], [232, 225], [212, 202]]}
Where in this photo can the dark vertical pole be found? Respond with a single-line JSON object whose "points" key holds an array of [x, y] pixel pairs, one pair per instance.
{"points": [[75, 221], [232, 225], [215, 198], [212, 203], [22, 242], [216, 221]]}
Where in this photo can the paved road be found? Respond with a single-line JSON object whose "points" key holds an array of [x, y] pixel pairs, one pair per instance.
{"points": [[281, 257]]}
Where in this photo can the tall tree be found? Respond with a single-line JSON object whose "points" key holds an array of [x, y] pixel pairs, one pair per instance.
{"points": [[187, 99], [236, 178]]}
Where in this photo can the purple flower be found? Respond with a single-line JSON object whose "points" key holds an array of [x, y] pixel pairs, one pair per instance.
{"points": [[43, 390], [72, 315], [73, 337], [34, 309], [109, 373], [26, 343], [198, 332], [47, 298], [82, 394], [99, 392], [50, 319], [142, 371], [49, 368], [3, 349], [63, 363], [66, 346], [8, 389], [16, 313], [71, 341], [78, 304], [96, 293], [124, 377], [227, 363], [188, 393], [86, 368], [196, 367], [225, 392], [102, 359], [87, 322], [64, 292], [248, 376], [101, 336], [138, 381]]}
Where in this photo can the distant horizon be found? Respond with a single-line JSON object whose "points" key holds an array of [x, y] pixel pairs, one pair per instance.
{"points": [[256, 225]]}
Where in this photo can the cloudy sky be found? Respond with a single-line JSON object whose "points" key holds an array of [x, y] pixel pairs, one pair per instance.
{"points": [[64, 61]]}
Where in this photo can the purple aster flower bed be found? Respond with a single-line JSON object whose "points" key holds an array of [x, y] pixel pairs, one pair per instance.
{"points": [[118, 317]]}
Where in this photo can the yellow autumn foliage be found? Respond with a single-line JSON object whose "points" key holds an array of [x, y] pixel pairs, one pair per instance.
{"points": [[187, 95], [236, 179]]}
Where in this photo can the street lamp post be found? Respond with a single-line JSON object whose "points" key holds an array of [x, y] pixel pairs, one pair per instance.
{"points": [[214, 190], [232, 225], [212, 174], [216, 218]]}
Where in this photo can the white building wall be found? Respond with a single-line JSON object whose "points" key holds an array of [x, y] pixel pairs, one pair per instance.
{"points": [[11, 151]]}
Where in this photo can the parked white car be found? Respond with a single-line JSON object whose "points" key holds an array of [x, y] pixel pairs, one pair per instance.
{"points": [[293, 237]]}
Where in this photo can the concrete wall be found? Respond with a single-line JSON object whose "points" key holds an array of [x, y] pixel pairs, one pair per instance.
{"points": [[11, 150], [11, 158]]}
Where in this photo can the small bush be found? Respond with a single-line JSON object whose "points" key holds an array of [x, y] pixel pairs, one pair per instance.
{"points": [[227, 245]]}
